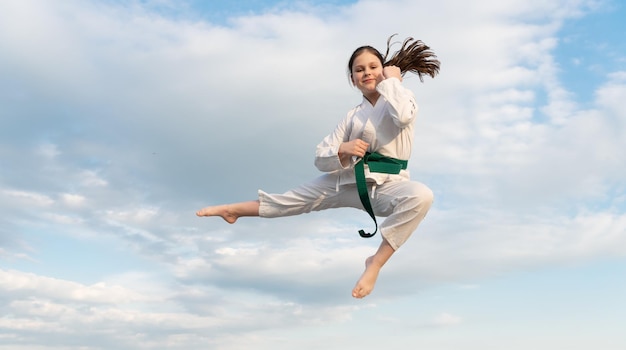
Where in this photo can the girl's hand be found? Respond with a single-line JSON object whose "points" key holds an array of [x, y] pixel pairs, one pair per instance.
{"points": [[350, 149], [392, 72], [355, 147]]}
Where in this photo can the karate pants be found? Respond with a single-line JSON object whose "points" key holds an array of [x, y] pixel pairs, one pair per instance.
{"points": [[404, 203]]}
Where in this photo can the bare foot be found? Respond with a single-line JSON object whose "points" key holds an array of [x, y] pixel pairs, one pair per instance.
{"points": [[219, 210], [365, 284]]}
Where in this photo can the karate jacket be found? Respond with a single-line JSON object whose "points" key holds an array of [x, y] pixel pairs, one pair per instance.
{"points": [[387, 127]]}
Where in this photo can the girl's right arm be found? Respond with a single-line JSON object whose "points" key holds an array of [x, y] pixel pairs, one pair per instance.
{"points": [[336, 151]]}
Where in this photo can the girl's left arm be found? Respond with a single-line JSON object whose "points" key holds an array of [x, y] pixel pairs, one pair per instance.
{"points": [[402, 106]]}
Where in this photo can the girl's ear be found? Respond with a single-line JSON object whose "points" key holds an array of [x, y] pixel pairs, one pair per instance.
{"points": [[352, 79]]}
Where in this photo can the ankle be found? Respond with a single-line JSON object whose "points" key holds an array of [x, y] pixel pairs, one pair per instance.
{"points": [[375, 262]]}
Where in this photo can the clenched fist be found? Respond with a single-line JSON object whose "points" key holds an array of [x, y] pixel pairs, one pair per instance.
{"points": [[352, 148], [392, 72]]}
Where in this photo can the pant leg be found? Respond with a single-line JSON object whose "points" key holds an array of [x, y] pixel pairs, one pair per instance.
{"points": [[319, 194], [405, 204]]}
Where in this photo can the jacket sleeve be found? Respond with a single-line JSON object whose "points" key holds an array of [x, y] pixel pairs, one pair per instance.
{"points": [[402, 106], [327, 151]]}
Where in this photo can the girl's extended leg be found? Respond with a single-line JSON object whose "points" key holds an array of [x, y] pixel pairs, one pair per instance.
{"points": [[373, 264], [231, 212]]}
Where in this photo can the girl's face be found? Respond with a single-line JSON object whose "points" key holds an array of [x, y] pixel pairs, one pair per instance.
{"points": [[367, 72]]}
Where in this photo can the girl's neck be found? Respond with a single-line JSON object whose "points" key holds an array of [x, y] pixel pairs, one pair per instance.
{"points": [[372, 98]]}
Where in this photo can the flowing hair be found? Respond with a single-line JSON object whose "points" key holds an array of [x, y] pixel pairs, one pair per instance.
{"points": [[414, 56]]}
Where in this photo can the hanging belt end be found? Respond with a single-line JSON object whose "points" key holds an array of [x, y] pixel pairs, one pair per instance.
{"points": [[365, 234]]}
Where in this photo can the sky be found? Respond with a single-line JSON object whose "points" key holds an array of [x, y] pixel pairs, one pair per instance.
{"points": [[119, 119]]}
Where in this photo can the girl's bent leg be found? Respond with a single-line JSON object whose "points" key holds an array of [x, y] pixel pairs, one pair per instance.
{"points": [[231, 212], [405, 203], [373, 264]]}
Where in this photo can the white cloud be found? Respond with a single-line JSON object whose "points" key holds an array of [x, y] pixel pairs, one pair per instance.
{"points": [[446, 319], [90, 178], [61, 219], [48, 150], [28, 198], [135, 216], [73, 200], [20, 282]]}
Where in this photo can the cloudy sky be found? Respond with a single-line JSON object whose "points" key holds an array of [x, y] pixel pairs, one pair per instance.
{"points": [[119, 119]]}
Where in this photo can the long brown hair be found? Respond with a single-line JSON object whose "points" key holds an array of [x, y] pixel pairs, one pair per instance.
{"points": [[413, 56]]}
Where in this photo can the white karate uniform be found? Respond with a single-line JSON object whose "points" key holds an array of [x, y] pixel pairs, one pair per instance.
{"points": [[388, 128]]}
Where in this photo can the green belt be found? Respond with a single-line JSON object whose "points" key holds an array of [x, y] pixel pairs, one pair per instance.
{"points": [[377, 163]]}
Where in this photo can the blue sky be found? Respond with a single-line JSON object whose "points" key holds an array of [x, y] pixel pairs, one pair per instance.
{"points": [[119, 119]]}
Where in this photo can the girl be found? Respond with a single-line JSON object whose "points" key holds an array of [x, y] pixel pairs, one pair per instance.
{"points": [[364, 158]]}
